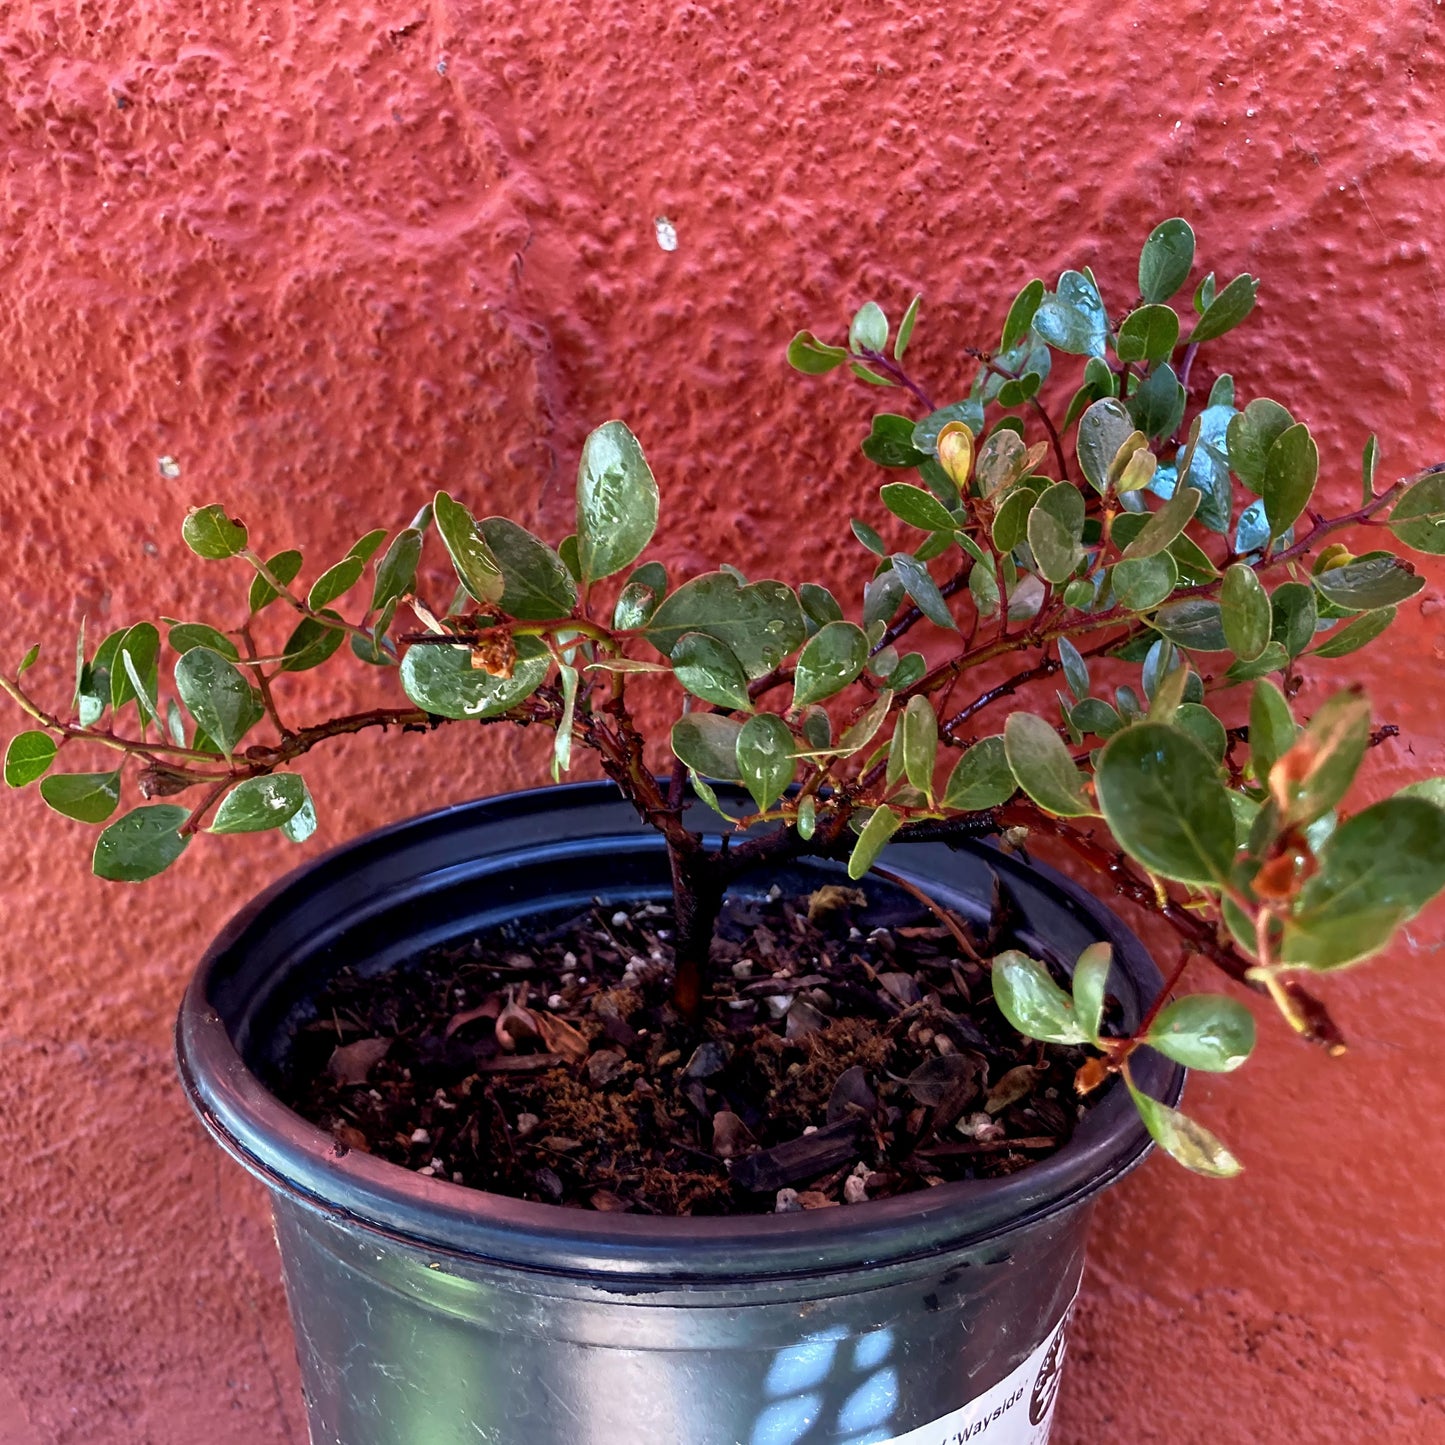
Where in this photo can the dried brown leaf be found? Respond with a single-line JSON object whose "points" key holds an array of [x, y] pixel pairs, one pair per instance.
{"points": [[353, 1063]]}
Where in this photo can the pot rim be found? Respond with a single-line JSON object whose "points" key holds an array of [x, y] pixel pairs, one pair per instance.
{"points": [[295, 1157]]}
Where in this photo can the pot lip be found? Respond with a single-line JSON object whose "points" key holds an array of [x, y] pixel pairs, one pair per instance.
{"points": [[298, 1159]]}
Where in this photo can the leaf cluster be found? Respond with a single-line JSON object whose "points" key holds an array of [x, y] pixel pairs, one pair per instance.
{"points": [[1167, 557]]}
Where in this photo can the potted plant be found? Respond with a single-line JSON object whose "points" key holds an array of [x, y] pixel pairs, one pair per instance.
{"points": [[673, 1107]]}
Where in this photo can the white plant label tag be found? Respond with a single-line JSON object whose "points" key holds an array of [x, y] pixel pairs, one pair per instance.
{"points": [[1017, 1411]]}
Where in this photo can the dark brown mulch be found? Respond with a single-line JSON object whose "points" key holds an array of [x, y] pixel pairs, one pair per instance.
{"points": [[841, 1059]]}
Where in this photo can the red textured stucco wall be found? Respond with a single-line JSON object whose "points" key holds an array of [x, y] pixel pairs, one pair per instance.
{"points": [[330, 255]]}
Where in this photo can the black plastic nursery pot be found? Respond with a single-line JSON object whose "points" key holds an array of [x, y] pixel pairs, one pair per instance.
{"points": [[431, 1314]]}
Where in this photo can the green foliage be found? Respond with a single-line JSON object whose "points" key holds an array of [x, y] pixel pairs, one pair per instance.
{"points": [[210, 533], [1033, 1003], [831, 659], [761, 622], [709, 669], [257, 804], [535, 582], [284, 567], [442, 681], [28, 757], [1204, 1031], [1162, 797], [1102, 572], [146, 841], [1189, 1143], [86, 797], [617, 502], [218, 696], [765, 749], [1166, 260]]}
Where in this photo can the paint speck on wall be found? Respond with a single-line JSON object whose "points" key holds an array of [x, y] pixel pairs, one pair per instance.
{"points": [[666, 233]]}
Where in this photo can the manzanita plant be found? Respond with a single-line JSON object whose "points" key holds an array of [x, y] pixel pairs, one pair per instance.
{"points": [[1171, 544]]}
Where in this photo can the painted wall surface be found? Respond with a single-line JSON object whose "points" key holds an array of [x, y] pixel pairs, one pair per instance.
{"points": [[328, 256]]}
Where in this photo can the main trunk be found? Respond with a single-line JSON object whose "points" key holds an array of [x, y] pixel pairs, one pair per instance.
{"points": [[698, 884]]}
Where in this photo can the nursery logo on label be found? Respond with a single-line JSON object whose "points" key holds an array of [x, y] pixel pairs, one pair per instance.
{"points": [[1017, 1411]]}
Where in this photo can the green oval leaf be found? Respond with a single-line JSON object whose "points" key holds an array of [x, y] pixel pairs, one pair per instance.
{"points": [[1293, 614], [218, 696], [766, 758], [1143, 583], [1103, 429], [707, 743], [916, 507], [1011, 522], [441, 679], [1072, 318], [1290, 471], [257, 804], [1357, 634], [28, 757], [889, 442], [475, 566], [708, 669], [924, 591], [981, 778], [210, 533], [905, 328], [1190, 1144], [858, 735], [284, 567], [143, 643], [1021, 315], [813, 357], [1376, 580], [1032, 1002], [310, 644], [1055, 526], [1164, 802], [1090, 987], [1166, 260], [1204, 1031], [183, 636], [1250, 435], [879, 828], [762, 622], [1378, 869], [536, 585], [1148, 334], [143, 843], [869, 329], [334, 582], [396, 572], [1158, 405], [86, 797], [1043, 767], [918, 741], [617, 501], [1272, 729], [830, 660], [1163, 526], [1227, 310], [1245, 612], [1418, 518]]}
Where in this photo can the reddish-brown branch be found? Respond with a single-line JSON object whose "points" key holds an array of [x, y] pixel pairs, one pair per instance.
{"points": [[1200, 935]]}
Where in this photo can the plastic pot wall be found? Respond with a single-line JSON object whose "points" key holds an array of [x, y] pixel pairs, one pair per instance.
{"points": [[428, 1312]]}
